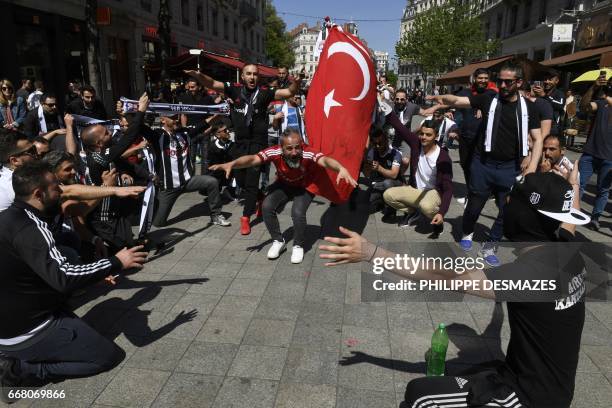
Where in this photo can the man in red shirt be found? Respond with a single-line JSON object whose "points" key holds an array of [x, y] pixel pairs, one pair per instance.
{"points": [[294, 164]]}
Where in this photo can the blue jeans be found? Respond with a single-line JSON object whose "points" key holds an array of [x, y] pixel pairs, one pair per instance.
{"points": [[589, 165], [489, 177]]}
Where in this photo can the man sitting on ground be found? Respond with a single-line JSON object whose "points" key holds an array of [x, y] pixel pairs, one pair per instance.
{"points": [[382, 169], [34, 281], [430, 187]]}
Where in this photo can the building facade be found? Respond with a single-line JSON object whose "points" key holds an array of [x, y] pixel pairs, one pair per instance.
{"points": [[304, 40], [382, 61], [525, 28], [52, 44]]}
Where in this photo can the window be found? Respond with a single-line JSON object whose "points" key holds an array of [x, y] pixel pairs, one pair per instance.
{"points": [[526, 14], [498, 28], [185, 12], [252, 39], [310, 57], [148, 50], [200, 16], [225, 28], [311, 48], [513, 17], [244, 37], [235, 32], [215, 22]]}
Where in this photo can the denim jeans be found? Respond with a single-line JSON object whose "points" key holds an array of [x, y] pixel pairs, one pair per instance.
{"points": [[486, 178], [589, 165], [278, 195]]}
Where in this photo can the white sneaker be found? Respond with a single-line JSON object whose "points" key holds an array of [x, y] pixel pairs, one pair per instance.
{"points": [[461, 200], [275, 249], [297, 254]]}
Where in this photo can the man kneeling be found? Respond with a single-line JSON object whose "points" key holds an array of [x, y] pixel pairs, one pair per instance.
{"points": [[294, 166], [39, 341]]}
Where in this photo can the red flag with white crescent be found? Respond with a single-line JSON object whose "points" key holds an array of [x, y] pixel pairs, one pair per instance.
{"points": [[339, 110]]}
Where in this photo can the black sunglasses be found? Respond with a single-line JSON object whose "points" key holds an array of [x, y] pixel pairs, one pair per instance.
{"points": [[31, 151], [7, 88], [507, 82], [51, 105]]}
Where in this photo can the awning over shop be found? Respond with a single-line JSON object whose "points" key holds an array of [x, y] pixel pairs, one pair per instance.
{"points": [[211, 63], [462, 75], [578, 57]]}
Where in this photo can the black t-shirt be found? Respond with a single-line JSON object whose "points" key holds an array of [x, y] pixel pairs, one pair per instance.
{"points": [[543, 110], [470, 125], [599, 143], [257, 131], [96, 111], [556, 100], [198, 99], [542, 355], [505, 145]]}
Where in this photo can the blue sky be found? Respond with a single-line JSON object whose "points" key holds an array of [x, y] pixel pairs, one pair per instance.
{"points": [[380, 36]]}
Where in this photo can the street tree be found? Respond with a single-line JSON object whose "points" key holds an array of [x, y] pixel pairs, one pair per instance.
{"points": [[278, 41], [445, 37]]}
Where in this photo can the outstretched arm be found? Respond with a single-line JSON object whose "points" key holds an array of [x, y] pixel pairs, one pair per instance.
{"points": [[206, 81], [343, 174], [453, 101], [355, 248], [251, 160]]}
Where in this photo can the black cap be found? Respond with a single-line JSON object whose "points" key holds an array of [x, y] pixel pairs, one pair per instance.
{"points": [[551, 195]]}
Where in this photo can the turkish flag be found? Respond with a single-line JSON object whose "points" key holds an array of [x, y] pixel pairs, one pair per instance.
{"points": [[339, 110]]}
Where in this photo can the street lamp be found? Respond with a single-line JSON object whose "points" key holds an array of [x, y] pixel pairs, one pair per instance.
{"points": [[198, 52]]}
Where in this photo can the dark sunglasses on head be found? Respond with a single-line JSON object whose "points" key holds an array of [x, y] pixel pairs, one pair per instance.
{"points": [[506, 82], [31, 151]]}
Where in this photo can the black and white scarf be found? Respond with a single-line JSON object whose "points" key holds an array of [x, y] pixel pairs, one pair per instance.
{"points": [[522, 124], [131, 106]]}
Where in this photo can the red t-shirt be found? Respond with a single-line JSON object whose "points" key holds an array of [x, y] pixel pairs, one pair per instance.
{"points": [[299, 177]]}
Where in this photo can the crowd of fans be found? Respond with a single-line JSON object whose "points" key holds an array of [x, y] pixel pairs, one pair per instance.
{"points": [[73, 183]]}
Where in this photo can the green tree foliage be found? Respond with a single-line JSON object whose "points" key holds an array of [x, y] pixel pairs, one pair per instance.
{"points": [[446, 37], [278, 41], [391, 78]]}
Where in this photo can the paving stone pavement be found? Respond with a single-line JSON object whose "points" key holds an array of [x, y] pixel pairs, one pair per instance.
{"points": [[272, 334]]}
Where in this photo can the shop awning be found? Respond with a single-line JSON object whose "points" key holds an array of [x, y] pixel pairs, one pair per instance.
{"points": [[228, 61], [577, 57], [462, 75], [267, 71]]}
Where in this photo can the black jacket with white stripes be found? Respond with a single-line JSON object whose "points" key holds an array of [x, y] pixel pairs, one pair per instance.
{"points": [[35, 278]]}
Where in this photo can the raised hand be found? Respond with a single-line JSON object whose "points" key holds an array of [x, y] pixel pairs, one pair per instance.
{"points": [[143, 102], [132, 258], [346, 250]]}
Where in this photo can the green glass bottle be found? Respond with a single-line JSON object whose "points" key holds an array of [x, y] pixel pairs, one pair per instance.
{"points": [[437, 354]]}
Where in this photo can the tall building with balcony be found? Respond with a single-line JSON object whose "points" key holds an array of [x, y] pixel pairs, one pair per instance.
{"points": [[51, 38], [525, 28], [304, 40], [382, 61]]}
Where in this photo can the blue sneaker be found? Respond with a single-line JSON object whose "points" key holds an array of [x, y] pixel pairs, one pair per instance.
{"points": [[488, 253], [466, 244]]}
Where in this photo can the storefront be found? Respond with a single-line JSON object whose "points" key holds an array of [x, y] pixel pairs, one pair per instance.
{"points": [[45, 46]]}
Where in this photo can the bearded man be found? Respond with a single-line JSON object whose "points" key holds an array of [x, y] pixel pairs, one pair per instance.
{"points": [[294, 170]]}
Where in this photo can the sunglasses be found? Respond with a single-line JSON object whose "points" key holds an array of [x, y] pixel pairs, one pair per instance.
{"points": [[51, 105], [7, 88], [31, 151], [507, 82], [400, 99]]}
